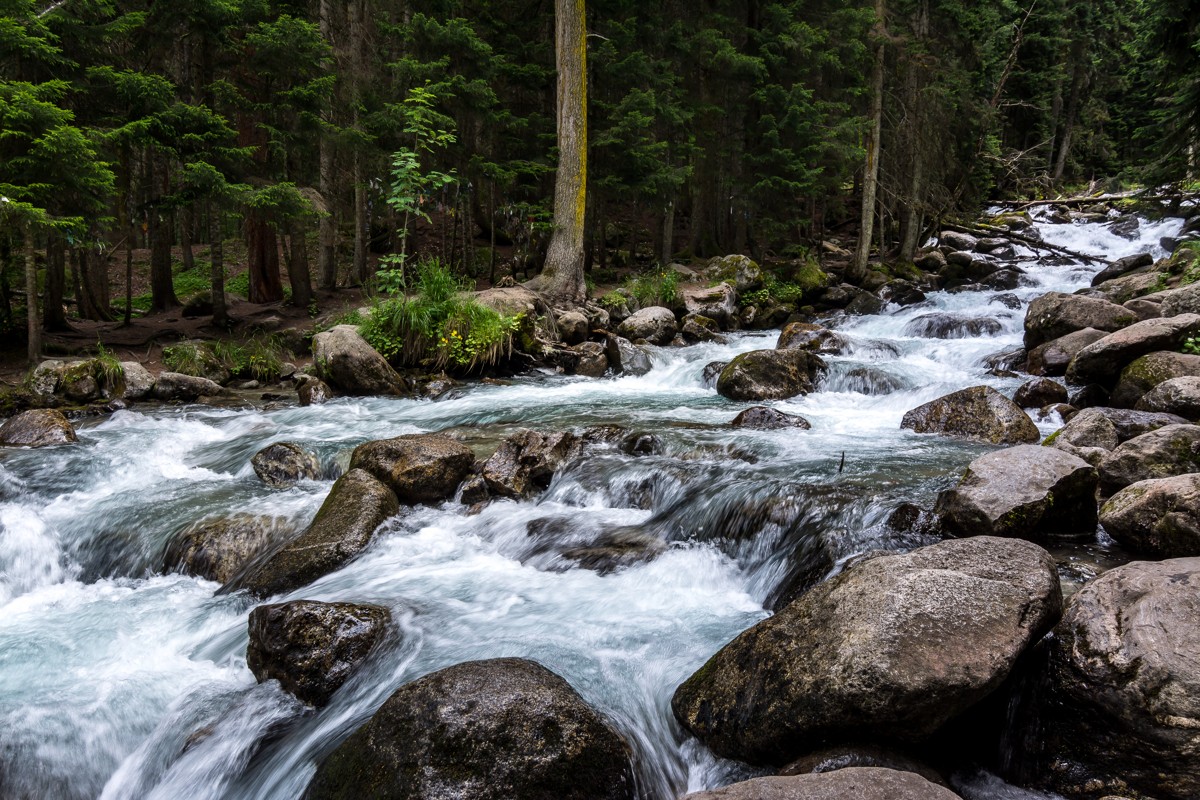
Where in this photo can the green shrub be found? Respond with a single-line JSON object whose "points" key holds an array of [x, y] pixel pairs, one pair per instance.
{"points": [[657, 288], [260, 358]]}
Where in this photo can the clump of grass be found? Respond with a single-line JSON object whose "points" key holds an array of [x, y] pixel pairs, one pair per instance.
{"points": [[260, 358], [440, 326], [659, 287]]}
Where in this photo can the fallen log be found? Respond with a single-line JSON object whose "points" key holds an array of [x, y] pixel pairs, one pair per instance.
{"points": [[1021, 205], [981, 229]]}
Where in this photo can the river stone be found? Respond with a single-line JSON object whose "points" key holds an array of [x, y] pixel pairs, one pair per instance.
{"points": [[697, 328], [1144, 309], [615, 550], [958, 241], [768, 419], [893, 648], [1159, 518], [345, 360], [712, 373], [356, 506], [284, 464], [573, 327], [1054, 315], [770, 375], [218, 549], [38, 427], [43, 381], [1122, 715], [1179, 396], [1102, 361], [832, 759], [1089, 428], [1040, 392], [1023, 492], [1052, 358], [718, 303], [1122, 266], [593, 360], [744, 274], [980, 413], [526, 461], [419, 467], [175, 386], [312, 391], [139, 383], [860, 783], [951, 326], [901, 292], [813, 338], [502, 729], [1148, 372], [312, 648], [627, 358], [654, 324], [1168, 451], [1184, 300]]}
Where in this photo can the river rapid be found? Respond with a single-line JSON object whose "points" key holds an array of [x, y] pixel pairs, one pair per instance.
{"points": [[118, 681]]}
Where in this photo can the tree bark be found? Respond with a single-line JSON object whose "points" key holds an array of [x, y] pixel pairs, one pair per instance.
{"points": [[298, 276], [263, 254], [162, 286], [56, 277], [31, 299], [858, 265], [216, 255], [562, 277], [327, 249]]}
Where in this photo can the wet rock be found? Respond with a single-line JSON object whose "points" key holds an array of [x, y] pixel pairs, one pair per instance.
{"points": [[488, 730], [960, 258], [958, 241], [38, 427], [616, 550], [1147, 372], [1089, 396], [813, 338], [712, 371], [866, 380], [1123, 712], [1053, 357], [1178, 396], [43, 381], [832, 759], [1159, 518], [1102, 361], [1004, 279], [893, 648], [526, 461], [312, 391], [1054, 315], [573, 327], [1025, 491], [863, 303], [1040, 392], [627, 358], [312, 648], [1168, 451], [860, 783], [654, 324], [593, 360], [951, 326], [770, 375], [1007, 360], [139, 383], [218, 549], [901, 292], [980, 413], [356, 506], [177, 387], [285, 463], [418, 468], [719, 303], [345, 360], [1009, 301], [768, 419], [436, 387], [744, 274], [697, 328]]}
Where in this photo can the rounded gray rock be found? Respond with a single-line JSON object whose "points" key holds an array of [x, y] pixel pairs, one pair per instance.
{"points": [[654, 324], [980, 413], [1159, 518], [859, 783], [284, 464], [39, 427]]}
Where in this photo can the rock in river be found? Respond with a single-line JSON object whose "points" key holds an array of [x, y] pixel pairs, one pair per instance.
{"points": [[654, 324], [345, 360], [218, 549], [892, 648], [40, 427], [770, 375], [768, 419], [1159, 517], [859, 783], [487, 730], [419, 468], [979, 413], [527, 460], [1162, 453], [284, 463]]}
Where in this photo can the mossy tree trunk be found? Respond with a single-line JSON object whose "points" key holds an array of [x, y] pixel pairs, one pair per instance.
{"points": [[870, 181]]}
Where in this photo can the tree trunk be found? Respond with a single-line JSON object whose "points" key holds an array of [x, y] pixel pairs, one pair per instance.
{"points": [[327, 249], [56, 278], [162, 286], [216, 254], [31, 299], [562, 277], [298, 276], [858, 265], [263, 255], [357, 20], [185, 239], [668, 233]]}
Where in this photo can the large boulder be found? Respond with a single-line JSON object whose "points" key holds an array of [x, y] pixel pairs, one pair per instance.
{"points": [[743, 273], [356, 506], [345, 360], [573, 327], [139, 383], [180, 388], [1022, 491], [1147, 372], [980, 413], [719, 303], [38, 427], [1159, 518], [813, 338], [284, 464], [526, 461], [770, 375], [1170, 450], [1052, 358], [1102, 361], [654, 324], [312, 648], [486, 730], [893, 648], [860, 783], [626, 358], [1055, 314], [958, 241], [1122, 266], [762, 418], [419, 467], [1122, 716], [1179, 396], [1106, 428], [218, 549]]}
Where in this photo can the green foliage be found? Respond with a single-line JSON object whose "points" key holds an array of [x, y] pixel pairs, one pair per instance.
{"points": [[109, 371], [1191, 346], [440, 326], [805, 279], [260, 358], [658, 287]]}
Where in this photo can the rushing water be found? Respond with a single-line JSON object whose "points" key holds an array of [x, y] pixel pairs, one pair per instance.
{"points": [[118, 681]]}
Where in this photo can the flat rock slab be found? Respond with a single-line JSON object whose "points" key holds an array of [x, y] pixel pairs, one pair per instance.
{"points": [[859, 783], [980, 413]]}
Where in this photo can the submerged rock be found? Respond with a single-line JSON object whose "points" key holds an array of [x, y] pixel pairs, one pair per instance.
{"points": [[419, 468], [859, 783], [813, 338], [768, 419], [951, 326], [284, 464], [312, 648], [39, 427], [979, 413], [218, 549], [526, 461], [486, 730], [770, 375], [345, 359], [1159, 517], [894, 647]]}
